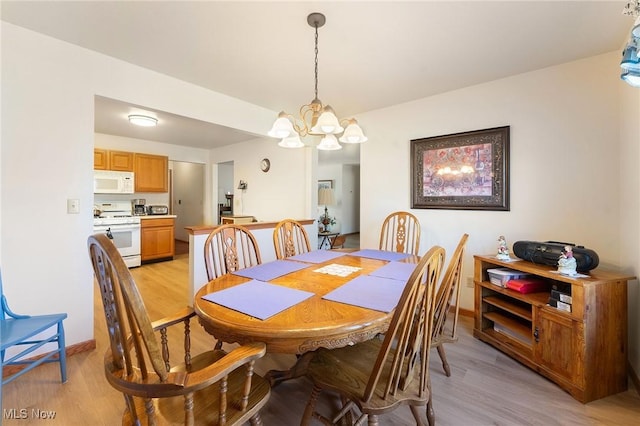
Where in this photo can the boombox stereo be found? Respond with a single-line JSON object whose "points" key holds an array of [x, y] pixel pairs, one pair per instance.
{"points": [[548, 253]]}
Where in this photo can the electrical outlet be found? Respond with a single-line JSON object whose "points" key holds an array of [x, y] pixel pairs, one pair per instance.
{"points": [[470, 282]]}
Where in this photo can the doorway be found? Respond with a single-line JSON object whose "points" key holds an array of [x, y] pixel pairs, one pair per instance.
{"points": [[187, 196]]}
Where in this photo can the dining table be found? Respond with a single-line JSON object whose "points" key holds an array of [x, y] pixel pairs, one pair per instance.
{"points": [[313, 320]]}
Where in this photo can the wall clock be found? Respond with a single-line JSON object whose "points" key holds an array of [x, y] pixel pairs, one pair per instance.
{"points": [[265, 165]]}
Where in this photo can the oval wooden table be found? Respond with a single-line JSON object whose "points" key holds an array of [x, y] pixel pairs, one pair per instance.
{"points": [[302, 328]]}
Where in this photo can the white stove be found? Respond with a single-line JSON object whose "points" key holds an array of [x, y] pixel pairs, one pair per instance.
{"points": [[117, 222]]}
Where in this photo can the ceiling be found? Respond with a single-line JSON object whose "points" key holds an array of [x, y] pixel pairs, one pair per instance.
{"points": [[371, 54]]}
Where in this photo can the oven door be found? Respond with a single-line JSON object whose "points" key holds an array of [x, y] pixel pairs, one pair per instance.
{"points": [[126, 238]]}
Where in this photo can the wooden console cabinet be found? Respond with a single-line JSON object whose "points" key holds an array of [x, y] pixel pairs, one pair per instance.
{"points": [[157, 239], [583, 351]]}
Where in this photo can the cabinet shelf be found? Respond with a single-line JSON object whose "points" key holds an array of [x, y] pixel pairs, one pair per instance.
{"points": [[504, 304], [583, 351]]}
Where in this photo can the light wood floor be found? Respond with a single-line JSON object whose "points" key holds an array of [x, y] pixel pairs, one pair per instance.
{"points": [[486, 387]]}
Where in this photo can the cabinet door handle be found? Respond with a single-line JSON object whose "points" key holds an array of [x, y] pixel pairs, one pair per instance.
{"points": [[536, 334]]}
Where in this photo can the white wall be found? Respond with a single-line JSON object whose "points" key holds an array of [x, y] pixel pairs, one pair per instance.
{"points": [[282, 192], [566, 181], [44, 163]]}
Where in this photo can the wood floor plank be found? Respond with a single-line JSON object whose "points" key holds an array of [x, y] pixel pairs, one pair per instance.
{"points": [[486, 387]]}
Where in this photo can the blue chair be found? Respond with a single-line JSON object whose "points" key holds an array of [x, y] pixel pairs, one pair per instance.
{"points": [[25, 330]]}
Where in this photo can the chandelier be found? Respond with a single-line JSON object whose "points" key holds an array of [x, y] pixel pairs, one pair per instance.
{"points": [[315, 118], [630, 63]]}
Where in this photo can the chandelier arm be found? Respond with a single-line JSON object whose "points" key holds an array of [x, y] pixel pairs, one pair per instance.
{"points": [[301, 130]]}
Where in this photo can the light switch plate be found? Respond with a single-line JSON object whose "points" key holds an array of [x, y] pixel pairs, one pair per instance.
{"points": [[73, 206]]}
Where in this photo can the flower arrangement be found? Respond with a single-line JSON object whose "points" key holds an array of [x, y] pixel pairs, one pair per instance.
{"points": [[326, 220]]}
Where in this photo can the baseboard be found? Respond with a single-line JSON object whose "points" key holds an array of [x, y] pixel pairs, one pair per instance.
{"points": [[466, 313], [634, 377], [85, 346]]}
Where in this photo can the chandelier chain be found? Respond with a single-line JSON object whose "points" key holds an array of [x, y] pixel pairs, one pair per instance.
{"points": [[316, 60]]}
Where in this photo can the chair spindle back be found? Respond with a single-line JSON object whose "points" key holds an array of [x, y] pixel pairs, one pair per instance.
{"points": [[400, 233], [290, 239], [230, 248]]}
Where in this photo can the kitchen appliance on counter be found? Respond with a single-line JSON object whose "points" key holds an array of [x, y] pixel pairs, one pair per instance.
{"points": [[112, 182], [117, 222], [157, 210], [138, 206]]}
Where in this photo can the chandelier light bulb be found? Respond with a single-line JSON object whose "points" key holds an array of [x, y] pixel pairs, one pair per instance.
{"points": [[329, 143], [282, 128], [353, 133], [291, 142]]}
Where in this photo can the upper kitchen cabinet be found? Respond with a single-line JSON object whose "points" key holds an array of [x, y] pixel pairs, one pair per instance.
{"points": [[121, 161], [151, 173], [104, 159], [100, 159]]}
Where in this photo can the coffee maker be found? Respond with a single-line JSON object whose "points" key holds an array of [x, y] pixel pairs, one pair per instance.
{"points": [[138, 207]]}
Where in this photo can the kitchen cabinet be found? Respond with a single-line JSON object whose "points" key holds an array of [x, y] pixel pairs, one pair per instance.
{"points": [[100, 159], [583, 349], [151, 173], [104, 159], [157, 239], [121, 161]]}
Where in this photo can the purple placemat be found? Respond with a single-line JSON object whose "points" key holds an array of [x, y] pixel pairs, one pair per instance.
{"points": [[270, 270], [395, 270], [258, 299], [366, 291], [317, 256], [380, 254]]}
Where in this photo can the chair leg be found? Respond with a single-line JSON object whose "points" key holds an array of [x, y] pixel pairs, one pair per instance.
{"points": [[311, 405], [416, 415], [373, 420], [256, 420], [431, 415], [218, 345], [62, 353], [443, 358]]}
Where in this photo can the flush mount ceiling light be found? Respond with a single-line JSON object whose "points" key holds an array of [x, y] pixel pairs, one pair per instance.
{"points": [[630, 62], [315, 118], [142, 120]]}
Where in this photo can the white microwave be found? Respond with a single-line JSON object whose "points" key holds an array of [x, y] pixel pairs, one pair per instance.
{"points": [[112, 182]]}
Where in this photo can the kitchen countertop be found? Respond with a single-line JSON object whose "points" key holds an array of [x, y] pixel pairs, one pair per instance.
{"points": [[158, 216]]}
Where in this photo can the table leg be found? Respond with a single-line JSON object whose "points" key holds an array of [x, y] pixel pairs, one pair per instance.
{"points": [[275, 377]]}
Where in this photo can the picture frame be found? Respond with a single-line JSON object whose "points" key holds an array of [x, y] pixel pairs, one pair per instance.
{"points": [[325, 184], [464, 171]]}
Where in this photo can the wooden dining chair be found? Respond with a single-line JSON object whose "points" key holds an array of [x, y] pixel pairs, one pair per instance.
{"points": [[338, 241], [448, 293], [290, 239], [400, 233], [212, 388], [377, 376], [24, 334], [229, 248]]}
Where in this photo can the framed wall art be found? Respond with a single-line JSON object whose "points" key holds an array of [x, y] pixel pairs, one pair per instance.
{"points": [[325, 184], [468, 170]]}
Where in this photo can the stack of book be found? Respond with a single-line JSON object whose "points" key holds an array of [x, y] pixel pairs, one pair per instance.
{"points": [[560, 298]]}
